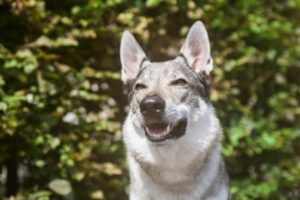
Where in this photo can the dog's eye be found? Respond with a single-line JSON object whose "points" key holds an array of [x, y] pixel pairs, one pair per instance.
{"points": [[140, 86], [180, 82]]}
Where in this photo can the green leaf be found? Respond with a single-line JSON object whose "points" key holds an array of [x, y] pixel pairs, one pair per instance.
{"points": [[153, 3], [13, 63]]}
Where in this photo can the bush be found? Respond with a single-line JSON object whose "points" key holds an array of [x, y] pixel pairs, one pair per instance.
{"points": [[61, 101]]}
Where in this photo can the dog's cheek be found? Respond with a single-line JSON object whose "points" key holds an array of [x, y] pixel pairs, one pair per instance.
{"points": [[134, 106], [198, 108], [183, 96], [183, 110], [202, 106]]}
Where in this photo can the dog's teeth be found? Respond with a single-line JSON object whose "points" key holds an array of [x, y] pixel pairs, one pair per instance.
{"points": [[158, 133], [168, 130]]}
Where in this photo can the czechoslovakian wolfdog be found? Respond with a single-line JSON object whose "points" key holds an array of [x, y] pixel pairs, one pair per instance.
{"points": [[171, 133]]}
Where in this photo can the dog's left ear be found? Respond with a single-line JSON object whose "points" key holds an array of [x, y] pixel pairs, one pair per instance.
{"points": [[196, 49]]}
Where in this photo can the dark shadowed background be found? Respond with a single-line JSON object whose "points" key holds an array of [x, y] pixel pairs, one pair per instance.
{"points": [[62, 106]]}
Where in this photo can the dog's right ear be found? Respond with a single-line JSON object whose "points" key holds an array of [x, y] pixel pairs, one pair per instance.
{"points": [[132, 57]]}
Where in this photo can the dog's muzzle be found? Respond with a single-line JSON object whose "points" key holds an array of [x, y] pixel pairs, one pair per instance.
{"points": [[157, 129]]}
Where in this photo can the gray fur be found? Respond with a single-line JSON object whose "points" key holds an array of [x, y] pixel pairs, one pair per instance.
{"points": [[186, 166]]}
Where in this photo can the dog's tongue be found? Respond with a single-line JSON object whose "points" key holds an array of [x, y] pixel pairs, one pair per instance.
{"points": [[157, 130]]}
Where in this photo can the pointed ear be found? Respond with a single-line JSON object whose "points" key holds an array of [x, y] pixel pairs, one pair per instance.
{"points": [[196, 49], [132, 57]]}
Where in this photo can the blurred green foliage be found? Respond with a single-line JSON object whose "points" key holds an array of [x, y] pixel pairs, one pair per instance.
{"points": [[61, 101]]}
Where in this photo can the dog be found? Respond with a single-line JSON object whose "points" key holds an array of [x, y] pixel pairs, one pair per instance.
{"points": [[172, 134]]}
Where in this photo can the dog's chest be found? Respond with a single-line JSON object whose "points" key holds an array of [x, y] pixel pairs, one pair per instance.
{"points": [[177, 165]]}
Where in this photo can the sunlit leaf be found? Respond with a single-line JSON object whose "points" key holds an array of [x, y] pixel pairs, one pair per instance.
{"points": [[60, 186]]}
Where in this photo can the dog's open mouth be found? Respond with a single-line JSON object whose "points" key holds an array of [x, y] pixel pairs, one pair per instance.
{"points": [[160, 131]]}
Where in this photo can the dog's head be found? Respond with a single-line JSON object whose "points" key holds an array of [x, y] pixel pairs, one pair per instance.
{"points": [[166, 96]]}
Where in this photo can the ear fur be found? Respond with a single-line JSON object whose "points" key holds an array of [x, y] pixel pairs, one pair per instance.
{"points": [[132, 56], [196, 49]]}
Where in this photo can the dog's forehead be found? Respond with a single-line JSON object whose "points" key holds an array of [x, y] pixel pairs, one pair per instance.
{"points": [[161, 70]]}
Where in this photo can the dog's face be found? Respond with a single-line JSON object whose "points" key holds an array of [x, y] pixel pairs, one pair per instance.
{"points": [[164, 96]]}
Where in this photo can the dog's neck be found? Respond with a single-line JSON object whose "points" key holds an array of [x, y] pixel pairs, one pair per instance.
{"points": [[190, 171]]}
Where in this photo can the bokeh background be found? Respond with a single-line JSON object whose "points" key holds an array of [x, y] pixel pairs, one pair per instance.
{"points": [[62, 105]]}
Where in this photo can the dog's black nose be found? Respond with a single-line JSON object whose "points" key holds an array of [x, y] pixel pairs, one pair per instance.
{"points": [[152, 105]]}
